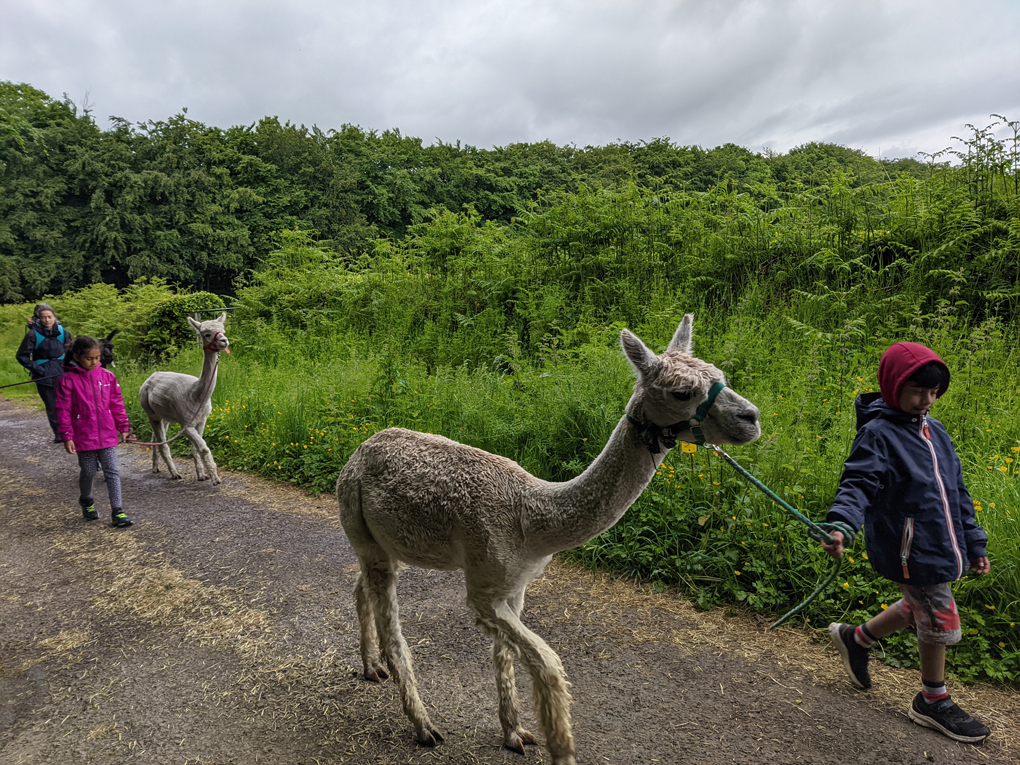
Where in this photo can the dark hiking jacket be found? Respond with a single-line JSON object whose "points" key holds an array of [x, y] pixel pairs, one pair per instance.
{"points": [[903, 482], [42, 352]]}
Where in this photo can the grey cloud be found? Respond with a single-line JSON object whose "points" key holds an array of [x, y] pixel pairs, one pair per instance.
{"points": [[865, 73]]}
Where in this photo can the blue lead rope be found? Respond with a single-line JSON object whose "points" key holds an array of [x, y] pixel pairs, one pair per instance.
{"points": [[817, 531]]}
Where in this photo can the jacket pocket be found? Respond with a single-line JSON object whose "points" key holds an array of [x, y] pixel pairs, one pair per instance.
{"points": [[906, 541]]}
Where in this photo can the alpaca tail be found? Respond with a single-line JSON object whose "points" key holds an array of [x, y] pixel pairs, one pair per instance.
{"points": [[348, 495]]}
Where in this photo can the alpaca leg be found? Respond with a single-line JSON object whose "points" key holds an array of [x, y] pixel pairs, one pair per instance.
{"points": [[159, 436], [348, 496], [515, 737], [196, 456], [210, 463], [155, 449], [552, 697], [381, 583], [369, 635], [205, 466], [204, 453]]}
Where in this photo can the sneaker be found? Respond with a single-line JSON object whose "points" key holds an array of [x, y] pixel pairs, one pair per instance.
{"points": [[120, 520], [945, 716], [88, 509], [855, 658]]}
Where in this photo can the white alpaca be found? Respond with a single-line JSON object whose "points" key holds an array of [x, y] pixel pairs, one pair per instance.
{"points": [[187, 400], [432, 502]]}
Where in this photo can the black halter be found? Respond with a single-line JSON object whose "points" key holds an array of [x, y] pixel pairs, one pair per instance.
{"points": [[650, 433]]}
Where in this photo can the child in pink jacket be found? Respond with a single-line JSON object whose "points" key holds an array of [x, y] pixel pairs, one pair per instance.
{"points": [[91, 422]]}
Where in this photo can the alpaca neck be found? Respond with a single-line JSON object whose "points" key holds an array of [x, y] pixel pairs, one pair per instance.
{"points": [[584, 507], [203, 388]]}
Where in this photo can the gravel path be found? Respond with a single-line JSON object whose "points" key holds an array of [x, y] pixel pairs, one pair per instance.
{"points": [[220, 629]]}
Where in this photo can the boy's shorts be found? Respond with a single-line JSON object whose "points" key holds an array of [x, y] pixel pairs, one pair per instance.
{"points": [[932, 612]]}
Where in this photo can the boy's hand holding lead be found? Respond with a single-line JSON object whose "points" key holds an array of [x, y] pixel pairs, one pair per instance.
{"points": [[836, 548], [980, 565]]}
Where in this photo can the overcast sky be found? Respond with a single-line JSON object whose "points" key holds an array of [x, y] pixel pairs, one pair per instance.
{"points": [[891, 78]]}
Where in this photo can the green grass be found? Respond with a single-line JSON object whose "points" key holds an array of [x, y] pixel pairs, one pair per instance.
{"points": [[506, 337], [698, 526]]}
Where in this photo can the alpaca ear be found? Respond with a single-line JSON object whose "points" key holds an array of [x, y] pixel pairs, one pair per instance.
{"points": [[683, 337], [223, 318], [194, 323], [638, 354]]}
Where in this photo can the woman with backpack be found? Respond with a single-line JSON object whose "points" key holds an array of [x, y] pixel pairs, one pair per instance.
{"points": [[42, 354]]}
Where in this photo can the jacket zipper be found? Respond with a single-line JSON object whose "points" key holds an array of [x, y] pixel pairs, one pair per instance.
{"points": [[95, 403], [905, 542], [946, 511]]}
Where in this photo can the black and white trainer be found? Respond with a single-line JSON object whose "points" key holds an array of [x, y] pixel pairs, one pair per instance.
{"points": [[855, 658], [946, 717]]}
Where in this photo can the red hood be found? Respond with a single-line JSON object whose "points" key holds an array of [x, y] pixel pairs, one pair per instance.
{"points": [[898, 363]]}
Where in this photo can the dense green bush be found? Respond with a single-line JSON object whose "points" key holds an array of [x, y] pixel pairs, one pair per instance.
{"points": [[167, 328], [501, 331]]}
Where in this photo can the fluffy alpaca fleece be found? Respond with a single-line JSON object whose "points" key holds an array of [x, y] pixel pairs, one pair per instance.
{"points": [[431, 502], [187, 400]]}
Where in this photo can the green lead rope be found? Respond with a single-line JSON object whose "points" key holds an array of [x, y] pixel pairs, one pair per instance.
{"points": [[817, 531]]}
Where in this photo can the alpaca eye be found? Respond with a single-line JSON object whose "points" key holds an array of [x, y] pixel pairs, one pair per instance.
{"points": [[682, 395]]}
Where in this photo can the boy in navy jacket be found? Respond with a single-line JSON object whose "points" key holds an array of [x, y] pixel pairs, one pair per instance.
{"points": [[904, 483]]}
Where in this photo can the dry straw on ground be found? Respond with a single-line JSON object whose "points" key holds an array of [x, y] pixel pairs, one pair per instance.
{"points": [[144, 586], [634, 609]]}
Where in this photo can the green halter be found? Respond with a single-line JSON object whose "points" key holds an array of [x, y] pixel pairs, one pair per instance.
{"points": [[650, 433], [702, 412]]}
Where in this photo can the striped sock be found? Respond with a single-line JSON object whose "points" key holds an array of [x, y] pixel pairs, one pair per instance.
{"points": [[933, 691], [863, 638]]}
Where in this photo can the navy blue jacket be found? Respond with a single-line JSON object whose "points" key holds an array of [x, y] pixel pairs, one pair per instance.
{"points": [[904, 483], [44, 358]]}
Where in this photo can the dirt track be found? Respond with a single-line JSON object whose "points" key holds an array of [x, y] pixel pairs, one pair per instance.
{"points": [[220, 629]]}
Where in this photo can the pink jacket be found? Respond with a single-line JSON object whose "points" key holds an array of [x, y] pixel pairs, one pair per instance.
{"points": [[90, 408]]}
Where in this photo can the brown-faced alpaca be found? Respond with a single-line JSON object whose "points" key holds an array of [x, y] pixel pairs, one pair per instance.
{"points": [[173, 397], [431, 502]]}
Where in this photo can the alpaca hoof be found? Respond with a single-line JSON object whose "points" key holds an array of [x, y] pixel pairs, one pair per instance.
{"points": [[376, 675], [516, 740], [176, 476], [203, 478], [216, 481], [429, 736]]}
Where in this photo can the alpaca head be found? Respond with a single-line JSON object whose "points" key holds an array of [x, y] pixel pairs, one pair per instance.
{"points": [[671, 387], [211, 334], [106, 349]]}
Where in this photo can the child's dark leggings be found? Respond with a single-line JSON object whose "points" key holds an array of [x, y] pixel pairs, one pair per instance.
{"points": [[89, 463]]}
